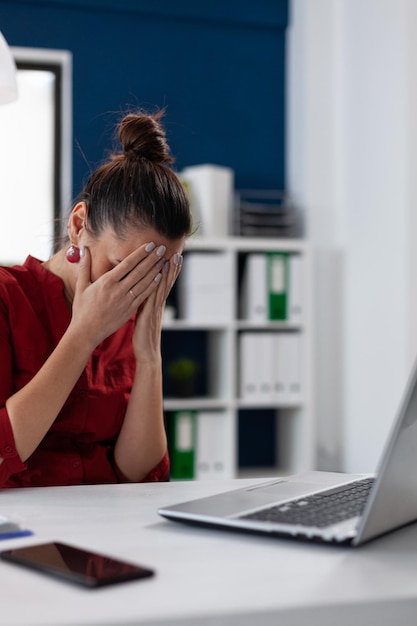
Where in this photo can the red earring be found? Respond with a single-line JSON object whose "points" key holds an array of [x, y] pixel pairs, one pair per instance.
{"points": [[73, 254]]}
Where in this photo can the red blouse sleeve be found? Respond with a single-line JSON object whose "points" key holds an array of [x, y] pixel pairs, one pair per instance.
{"points": [[11, 463], [11, 460], [159, 473]]}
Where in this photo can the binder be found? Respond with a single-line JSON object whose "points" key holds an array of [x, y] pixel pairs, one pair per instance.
{"points": [[182, 441], [257, 363], [211, 449], [280, 391], [295, 288], [272, 287], [254, 290], [295, 369], [249, 354], [204, 288], [277, 283], [288, 385], [265, 362]]}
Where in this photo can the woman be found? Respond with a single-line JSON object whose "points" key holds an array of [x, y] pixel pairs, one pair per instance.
{"points": [[80, 362]]}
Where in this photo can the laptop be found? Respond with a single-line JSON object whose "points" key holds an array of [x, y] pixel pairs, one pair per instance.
{"points": [[335, 508]]}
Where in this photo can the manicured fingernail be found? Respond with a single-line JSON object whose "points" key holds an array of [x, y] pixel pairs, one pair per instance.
{"points": [[181, 261], [160, 264], [177, 258], [82, 251], [166, 267], [161, 250], [158, 277], [150, 246]]}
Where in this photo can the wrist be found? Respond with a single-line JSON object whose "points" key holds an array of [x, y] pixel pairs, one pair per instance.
{"points": [[146, 361], [80, 339]]}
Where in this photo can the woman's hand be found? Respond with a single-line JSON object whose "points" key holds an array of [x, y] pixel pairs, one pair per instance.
{"points": [[103, 306], [147, 335]]}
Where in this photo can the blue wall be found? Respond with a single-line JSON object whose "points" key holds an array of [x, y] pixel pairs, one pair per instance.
{"points": [[217, 65]]}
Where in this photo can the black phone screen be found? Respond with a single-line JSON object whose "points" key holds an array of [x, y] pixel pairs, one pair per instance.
{"points": [[75, 564]]}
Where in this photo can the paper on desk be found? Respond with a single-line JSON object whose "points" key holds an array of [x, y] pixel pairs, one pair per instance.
{"points": [[10, 529]]}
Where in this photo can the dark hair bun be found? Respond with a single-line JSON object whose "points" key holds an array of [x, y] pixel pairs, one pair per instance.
{"points": [[142, 136]]}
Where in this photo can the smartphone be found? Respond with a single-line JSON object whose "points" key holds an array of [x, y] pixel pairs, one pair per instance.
{"points": [[73, 564]]}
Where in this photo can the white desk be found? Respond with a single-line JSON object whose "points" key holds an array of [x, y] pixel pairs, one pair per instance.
{"points": [[204, 577]]}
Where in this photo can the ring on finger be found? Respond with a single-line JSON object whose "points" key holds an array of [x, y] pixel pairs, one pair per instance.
{"points": [[132, 293]]}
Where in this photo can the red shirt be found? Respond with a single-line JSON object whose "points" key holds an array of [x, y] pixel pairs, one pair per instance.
{"points": [[78, 448]]}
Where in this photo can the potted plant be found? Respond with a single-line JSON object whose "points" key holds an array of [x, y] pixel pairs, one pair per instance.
{"points": [[183, 373]]}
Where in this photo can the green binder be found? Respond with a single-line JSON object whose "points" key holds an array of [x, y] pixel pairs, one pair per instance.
{"points": [[182, 438], [277, 282]]}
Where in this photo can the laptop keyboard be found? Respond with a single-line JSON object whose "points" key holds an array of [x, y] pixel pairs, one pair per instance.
{"points": [[321, 509]]}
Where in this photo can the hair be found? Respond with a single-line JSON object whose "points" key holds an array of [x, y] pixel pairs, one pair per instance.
{"points": [[137, 187]]}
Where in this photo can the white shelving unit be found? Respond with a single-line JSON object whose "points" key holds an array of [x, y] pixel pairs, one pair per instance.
{"points": [[293, 428]]}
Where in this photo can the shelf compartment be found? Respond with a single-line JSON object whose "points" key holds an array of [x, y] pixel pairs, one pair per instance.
{"points": [[270, 442], [199, 443], [210, 351]]}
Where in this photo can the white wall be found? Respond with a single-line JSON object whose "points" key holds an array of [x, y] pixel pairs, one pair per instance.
{"points": [[351, 139]]}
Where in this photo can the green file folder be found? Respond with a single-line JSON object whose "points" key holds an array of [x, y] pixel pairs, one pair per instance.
{"points": [[277, 281], [182, 438]]}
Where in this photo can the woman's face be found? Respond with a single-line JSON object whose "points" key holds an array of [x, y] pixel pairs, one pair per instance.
{"points": [[108, 249]]}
